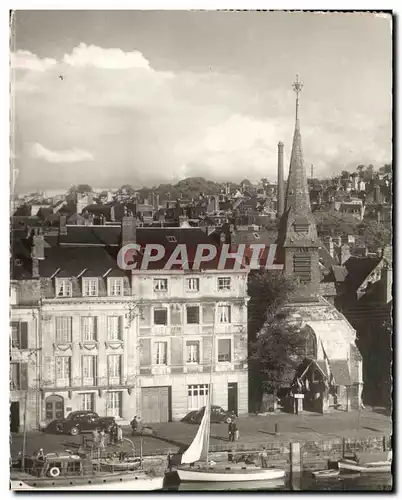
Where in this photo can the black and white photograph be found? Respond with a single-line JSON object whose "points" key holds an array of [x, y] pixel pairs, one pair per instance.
{"points": [[200, 251]]}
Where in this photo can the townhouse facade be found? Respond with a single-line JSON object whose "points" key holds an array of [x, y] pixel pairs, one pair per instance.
{"points": [[87, 335], [193, 338]]}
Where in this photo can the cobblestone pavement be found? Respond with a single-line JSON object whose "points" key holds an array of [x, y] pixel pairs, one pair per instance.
{"points": [[177, 435]]}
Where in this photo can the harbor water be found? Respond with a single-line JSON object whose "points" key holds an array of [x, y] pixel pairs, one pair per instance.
{"points": [[303, 482]]}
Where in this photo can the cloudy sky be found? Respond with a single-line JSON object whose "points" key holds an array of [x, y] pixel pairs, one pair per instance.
{"points": [[150, 97]]}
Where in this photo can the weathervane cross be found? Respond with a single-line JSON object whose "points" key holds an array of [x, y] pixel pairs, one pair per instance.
{"points": [[297, 87]]}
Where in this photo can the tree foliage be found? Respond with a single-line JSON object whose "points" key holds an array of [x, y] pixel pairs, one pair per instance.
{"points": [[274, 344]]}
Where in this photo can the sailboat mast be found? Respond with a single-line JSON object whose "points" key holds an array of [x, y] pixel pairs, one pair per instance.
{"points": [[210, 382]]}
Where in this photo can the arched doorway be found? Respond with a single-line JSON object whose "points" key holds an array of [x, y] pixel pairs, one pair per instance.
{"points": [[312, 383], [54, 407]]}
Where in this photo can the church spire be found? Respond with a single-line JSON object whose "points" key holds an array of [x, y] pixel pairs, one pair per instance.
{"points": [[297, 194]]}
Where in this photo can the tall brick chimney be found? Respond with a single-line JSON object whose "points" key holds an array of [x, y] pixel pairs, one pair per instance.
{"points": [[281, 186], [128, 229], [37, 251]]}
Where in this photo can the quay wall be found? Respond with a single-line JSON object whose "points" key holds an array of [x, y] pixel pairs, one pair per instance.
{"points": [[313, 454]]}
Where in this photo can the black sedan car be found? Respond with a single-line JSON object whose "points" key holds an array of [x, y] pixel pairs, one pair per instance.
{"points": [[218, 415], [80, 421]]}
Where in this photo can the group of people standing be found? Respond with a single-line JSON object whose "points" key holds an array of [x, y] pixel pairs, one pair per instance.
{"points": [[101, 439]]}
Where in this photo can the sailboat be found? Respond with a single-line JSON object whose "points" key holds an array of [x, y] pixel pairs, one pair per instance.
{"points": [[196, 466]]}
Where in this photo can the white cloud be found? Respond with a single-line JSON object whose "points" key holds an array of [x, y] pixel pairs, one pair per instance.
{"points": [[23, 59], [91, 55], [70, 156]]}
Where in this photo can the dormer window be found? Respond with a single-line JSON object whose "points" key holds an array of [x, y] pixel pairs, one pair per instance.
{"points": [[115, 286], [64, 287], [89, 287], [160, 285], [171, 239]]}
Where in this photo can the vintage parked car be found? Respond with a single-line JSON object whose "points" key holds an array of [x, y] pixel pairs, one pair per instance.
{"points": [[80, 421], [218, 415]]}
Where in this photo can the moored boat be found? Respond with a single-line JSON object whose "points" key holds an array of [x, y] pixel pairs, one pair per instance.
{"points": [[224, 473], [367, 462], [57, 471], [325, 474]]}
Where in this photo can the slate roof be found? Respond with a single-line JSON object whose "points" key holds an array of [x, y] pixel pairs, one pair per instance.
{"points": [[358, 268], [73, 260]]}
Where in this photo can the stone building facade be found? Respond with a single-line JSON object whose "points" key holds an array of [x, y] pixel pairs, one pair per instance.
{"points": [[122, 343]]}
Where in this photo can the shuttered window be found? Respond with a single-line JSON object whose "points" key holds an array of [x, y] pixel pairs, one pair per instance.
{"points": [[145, 352], [19, 335], [208, 315], [63, 329], [161, 353], [63, 371], [19, 376], [160, 316], [224, 350], [89, 370], [302, 266], [193, 351], [114, 368], [114, 328], [88, 328], [193, 315]]}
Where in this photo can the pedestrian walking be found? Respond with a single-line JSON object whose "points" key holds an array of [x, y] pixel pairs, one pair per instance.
{"points": [[230, 430], [134, 425]]}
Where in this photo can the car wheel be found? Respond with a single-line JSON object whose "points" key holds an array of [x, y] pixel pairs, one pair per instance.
{"points": [[74, 431]]}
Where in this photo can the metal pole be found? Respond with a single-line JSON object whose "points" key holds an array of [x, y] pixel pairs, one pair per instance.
{"points": [[25, 432], [210, 381]]}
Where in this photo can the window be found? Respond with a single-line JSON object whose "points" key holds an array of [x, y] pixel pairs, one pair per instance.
{"points": [[224, 350], [88, 328], [19, 376], [113, 404], [175, 315], [19, 334], [302, 266], [301, 228], [223, 283], [160, 316], [197, 396], [256, 236], [207, 314], [160, 285], [193, 315], [63, 329], [193, 284], [63, 371], [161, 353], [89, 287], [64, 287], [310, 345], [114, 327], [89, 370], [13, 295], [115, 287], [87, 401], [114, 368], [193, 351], [223, 314]]}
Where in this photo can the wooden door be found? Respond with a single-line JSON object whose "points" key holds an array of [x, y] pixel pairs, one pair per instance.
{"points": [[155, 405], [54, 407]]}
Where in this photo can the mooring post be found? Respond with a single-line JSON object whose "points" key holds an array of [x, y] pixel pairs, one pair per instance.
{"points": [[276, 429], [295, 457]]}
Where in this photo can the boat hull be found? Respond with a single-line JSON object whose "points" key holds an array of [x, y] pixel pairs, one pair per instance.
{"points": [[90, 484], [213, 474], [349, 465], [325, 474]]}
